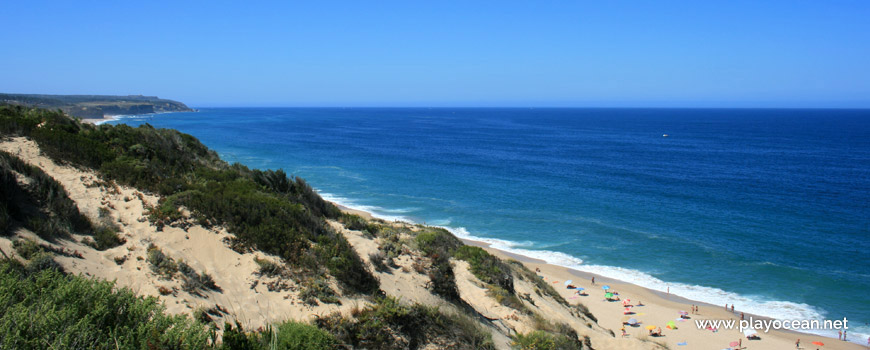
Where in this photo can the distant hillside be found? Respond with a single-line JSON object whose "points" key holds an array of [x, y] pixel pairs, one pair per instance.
{"points": [[97, 106]]}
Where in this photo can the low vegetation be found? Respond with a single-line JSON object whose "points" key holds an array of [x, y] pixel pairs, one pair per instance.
{"points": [[265, 210], [389, 324], [41, 308], [487, 267], [168, 268], [288, 335], [39, 203], [439, 245], [540, 340]]}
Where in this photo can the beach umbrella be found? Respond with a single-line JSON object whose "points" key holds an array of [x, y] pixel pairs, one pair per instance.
{"points": [[734, 343], [605, 287], [626, 311], [650, 327], [749, 332], [632, 321], [608, 295], [568, 282], [672, 325], [579, 288], [818, 343], [683, 313]]}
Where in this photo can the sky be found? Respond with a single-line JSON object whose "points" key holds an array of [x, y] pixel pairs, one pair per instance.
{"points": [[794, 53]]}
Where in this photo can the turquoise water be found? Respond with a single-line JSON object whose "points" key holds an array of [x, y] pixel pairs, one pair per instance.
{"points": [[765, 209]]}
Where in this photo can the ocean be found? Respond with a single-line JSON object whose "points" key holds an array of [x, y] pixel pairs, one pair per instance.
{"points": [[768, 209]]}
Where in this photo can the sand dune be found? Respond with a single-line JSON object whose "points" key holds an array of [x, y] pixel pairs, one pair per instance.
{"points": [[245, 296]]}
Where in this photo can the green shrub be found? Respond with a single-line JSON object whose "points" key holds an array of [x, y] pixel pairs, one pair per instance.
{"points": [[106, 236], [302, 336], [44, 309], [389, 324], [269, 268], [541, 286], [437, 241], [26, 248], [506, 298], [317, 289], [377, 259], [193, 282], [160, 263], [443, 279], [540, 340], [486, 267]]}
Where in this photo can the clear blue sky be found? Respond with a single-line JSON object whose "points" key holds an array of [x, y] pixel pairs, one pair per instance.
{"points": [[794, 53]]}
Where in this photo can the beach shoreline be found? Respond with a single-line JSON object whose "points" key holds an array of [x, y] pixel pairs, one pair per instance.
{"points": [[658, 308], [112, 118]]}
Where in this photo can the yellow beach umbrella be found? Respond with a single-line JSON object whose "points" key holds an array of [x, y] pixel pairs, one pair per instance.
{"points": [[650, 327]]}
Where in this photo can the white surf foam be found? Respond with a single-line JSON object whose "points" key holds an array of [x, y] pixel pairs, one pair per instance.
{"points": [[376, 211], [756, 305]]}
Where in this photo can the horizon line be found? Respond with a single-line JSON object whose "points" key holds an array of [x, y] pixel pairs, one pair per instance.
{"points": [[533, 107]]}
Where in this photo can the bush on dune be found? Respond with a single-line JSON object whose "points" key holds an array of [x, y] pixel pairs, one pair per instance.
{"points": [[42, 308], [390, 324], [265, 210]]}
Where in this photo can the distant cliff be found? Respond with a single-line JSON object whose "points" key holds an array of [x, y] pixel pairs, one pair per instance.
{"points": [[97, 106]]}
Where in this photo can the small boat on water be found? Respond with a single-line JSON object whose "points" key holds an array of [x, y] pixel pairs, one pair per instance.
{"points": [[664, 135]]}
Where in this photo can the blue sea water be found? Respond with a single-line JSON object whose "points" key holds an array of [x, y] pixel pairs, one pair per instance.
{"points": [[766, 209]]}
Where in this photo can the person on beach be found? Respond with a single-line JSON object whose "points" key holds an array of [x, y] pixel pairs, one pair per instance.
{"points": [[844, 335], [692, 309], [741, 316], [726, 306], [732, 308], [797, 344], [839, 335], [593, 280], [696, 310]]}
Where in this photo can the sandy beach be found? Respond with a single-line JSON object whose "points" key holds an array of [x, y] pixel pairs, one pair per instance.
{"points": [[659, 308]]}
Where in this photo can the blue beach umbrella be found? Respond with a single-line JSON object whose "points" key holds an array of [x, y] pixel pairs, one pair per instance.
{"points": [[605, 287]]}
